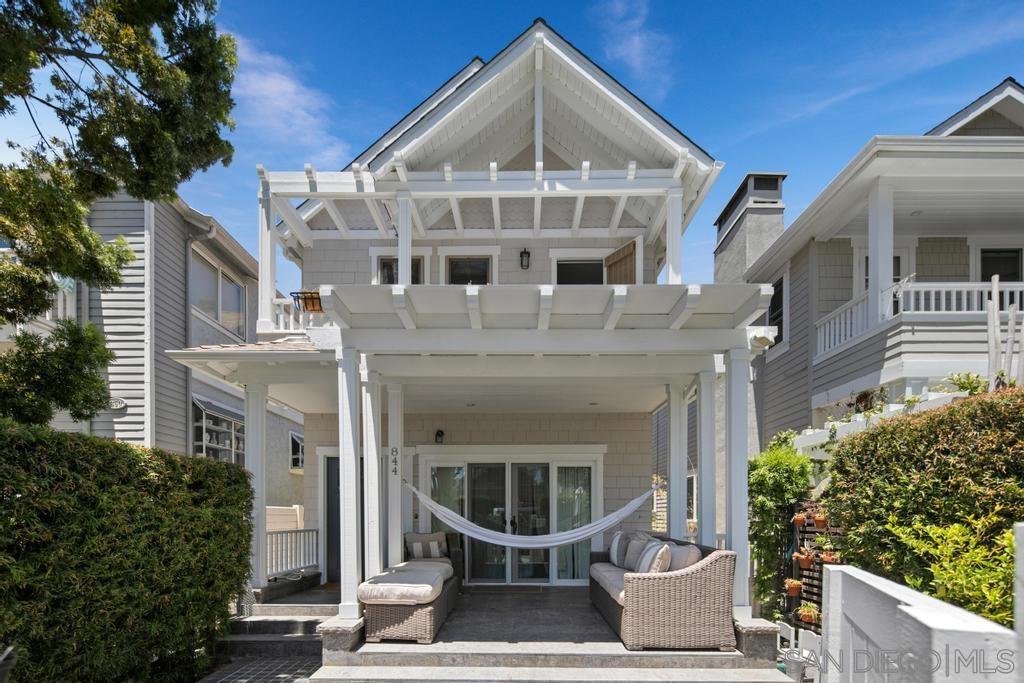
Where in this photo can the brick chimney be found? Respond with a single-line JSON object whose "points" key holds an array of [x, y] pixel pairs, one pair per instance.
{"points": [[748, 225]]}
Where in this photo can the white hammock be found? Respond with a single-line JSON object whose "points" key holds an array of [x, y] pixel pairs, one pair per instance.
{"points": [[463, 525]]}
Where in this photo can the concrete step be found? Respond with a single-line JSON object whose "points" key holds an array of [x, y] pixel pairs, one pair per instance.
{"points": [[293, 610], [270, 645], [481, 674], [290, 625]]}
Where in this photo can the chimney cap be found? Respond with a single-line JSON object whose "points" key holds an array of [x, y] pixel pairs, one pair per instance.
{"points": [[741, 190]]}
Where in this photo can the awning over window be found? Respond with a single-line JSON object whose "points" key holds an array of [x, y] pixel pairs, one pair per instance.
{"points": [[218, 409]]}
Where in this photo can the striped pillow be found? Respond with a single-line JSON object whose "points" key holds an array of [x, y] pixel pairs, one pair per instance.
{"points": [[426, 546], [655, 558], [617, 550]]}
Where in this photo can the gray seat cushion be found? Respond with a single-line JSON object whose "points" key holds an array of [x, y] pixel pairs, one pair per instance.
{"points": [[441, 564], [611, 578]]}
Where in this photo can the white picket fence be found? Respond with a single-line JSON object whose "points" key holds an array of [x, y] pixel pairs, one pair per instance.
{"points": [[291, 551]]}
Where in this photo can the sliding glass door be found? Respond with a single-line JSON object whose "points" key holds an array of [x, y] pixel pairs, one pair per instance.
{"points": [[531, 516], [486, 497], [574, 507]]}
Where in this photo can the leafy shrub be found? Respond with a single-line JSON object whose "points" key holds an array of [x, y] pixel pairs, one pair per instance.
{"points": [[116, 562], [927, 470], [778, 478], [970, 382], [971, 565]]}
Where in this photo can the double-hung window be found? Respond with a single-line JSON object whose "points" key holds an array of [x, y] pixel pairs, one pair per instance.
{"points": [[297, 451], [217, 295]]}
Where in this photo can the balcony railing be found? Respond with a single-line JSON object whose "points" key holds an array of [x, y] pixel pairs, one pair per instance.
{"points": [[289, 318], [957, 297], [291, 551], [843, 324]]}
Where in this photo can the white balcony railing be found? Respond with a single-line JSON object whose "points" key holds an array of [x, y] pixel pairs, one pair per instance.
{"points": [[843, 324], [290, 318], [291, 551], [957, 297]]}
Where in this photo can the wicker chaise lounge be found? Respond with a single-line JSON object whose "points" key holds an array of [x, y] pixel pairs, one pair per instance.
{"points": [[689, 608]]}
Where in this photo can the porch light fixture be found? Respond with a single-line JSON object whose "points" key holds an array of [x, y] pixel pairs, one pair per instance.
{"points": [[439, 436], [307, 301], [524, 259]]}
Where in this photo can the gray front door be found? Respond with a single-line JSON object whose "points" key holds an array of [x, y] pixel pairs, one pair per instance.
{"points": [[332, 517]]}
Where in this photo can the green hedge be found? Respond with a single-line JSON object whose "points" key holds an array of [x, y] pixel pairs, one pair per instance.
{"points": [[930, 476], [116, 562]]}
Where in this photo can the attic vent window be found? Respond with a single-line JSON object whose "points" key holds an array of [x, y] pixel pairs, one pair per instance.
{"points": [[766, 184]]}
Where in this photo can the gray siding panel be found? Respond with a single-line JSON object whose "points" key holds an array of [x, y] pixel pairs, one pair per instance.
{"points": [[170, 309], [943, 259], [835, 274], [120, 313]]}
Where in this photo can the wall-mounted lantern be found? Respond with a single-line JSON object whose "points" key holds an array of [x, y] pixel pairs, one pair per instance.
{"points": [[524, 259]]}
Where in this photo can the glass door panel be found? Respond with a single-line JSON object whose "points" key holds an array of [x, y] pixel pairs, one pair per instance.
{"points": [[447, 485], [573, 511], [486, 499], [531, 516]]}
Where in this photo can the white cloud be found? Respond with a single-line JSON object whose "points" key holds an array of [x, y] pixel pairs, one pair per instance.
{"points": [[276, 108], [627, 38]]}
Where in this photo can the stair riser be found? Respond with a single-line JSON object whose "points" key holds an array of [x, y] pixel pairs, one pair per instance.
{"points": [[325, 611], [244, 648], [242, 627], [637, 661]]}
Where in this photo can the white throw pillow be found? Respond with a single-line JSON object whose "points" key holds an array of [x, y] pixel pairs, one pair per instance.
{"points": [[421, 546]]}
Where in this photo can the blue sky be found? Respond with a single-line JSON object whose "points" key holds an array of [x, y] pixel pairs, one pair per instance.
{"points": [[793, 87]]}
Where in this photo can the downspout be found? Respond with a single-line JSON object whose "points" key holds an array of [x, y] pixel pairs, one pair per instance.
{"points": [[211, 232]]}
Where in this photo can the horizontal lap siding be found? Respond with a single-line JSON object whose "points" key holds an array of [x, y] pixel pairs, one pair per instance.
{"points": [[855, 361], [119, 312], [785, 396], [169, 309]]}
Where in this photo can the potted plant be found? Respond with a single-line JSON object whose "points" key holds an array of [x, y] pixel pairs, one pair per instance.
{"points": [[804, 557], [807, 613], [7, 658], [828, 553], [820, 520], [793, 587], [829, 557], [800, 519]]}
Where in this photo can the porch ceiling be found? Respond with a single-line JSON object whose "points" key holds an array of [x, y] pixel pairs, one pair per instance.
{"points": [[949, 212]]}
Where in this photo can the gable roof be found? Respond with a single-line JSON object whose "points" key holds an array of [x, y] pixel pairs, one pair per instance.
{"points": [[379, 156], [1007, 98]]}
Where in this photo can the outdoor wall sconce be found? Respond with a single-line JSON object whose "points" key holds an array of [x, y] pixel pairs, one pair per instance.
{"points": [[524, 259], [439, 436]]}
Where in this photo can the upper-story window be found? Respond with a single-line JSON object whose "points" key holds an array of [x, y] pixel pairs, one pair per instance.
{"points": [[297, 451], [217, 295], [778, 314], [1006, 263], [582, 272], [387, 270], [469, 270]]}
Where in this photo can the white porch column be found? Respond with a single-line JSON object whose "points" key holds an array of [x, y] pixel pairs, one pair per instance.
{"points": [[350, 562], [678, 461], [880, 250], [674, 237], [404, 239], [255, 462], [373, 562], [268, 256], [706, 495], [396, 492], [737, 382]]}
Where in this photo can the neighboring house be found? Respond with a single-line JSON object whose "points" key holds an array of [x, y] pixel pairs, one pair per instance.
{"points": [[493, 329], [191, 283], [883, 281]]}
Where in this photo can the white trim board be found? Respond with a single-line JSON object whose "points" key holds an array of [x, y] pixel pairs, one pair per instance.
{"points": [[491, 251], [376, 252]]}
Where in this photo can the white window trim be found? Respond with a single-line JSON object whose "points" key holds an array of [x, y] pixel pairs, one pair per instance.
{"points": [[578, 254], [221, 273], [222, 406], [976, 243], [903, 246], [493, 252], [392, 252], [302, 439], [782, 346]]}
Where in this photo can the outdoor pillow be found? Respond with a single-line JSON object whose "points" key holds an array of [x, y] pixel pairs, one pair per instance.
{"points": [[617, 550], [420, 546], [633, 553], [682, 556], [655, 558]]}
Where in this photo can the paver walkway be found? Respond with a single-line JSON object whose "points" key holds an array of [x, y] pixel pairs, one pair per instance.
{"points": [[265, 670]]}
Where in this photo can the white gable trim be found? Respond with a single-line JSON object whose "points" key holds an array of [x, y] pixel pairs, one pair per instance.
{"points": [[1008, 89]]}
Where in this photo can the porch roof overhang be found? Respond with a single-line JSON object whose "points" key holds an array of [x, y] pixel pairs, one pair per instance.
{"points": [[992, 164]]}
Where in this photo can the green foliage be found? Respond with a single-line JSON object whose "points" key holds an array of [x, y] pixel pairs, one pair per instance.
{"points": [[117, 563], [778, 478], [971, 564], [970, 382], [935, 468], [62, 371]]}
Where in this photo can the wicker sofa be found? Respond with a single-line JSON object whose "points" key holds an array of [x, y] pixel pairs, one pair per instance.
{"points": [[689, 608]]}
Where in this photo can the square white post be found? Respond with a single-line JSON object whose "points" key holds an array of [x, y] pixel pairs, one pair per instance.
{"points": [[396, 492], [404, 238], [350, 547], [255, 462], [268, 256], [737, 382], [373, 562], [674, 237], [880, 250], [707, 525], [678, 462]]}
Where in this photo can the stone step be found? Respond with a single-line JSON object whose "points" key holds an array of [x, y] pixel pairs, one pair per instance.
{"points": [[270, 645], [291, 625], [295, 610], [411, 674]]}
